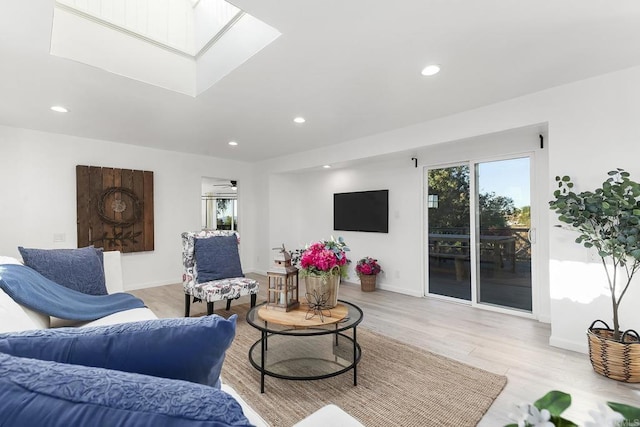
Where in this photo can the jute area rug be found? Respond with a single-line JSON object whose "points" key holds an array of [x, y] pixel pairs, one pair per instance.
{"points": [[398, 385]]}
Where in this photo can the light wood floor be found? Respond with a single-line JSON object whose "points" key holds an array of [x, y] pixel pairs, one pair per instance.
{"points": [[507, 345]]}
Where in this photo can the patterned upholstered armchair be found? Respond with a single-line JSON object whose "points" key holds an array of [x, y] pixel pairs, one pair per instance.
{"points": [[220, 276]]}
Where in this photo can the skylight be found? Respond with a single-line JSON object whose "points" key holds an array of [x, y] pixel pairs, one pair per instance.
{"points": [[181, 45]]}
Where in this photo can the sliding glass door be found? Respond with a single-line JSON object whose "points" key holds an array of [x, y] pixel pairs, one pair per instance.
{"points": [[449, 225], [479, 233], [503, 243]]}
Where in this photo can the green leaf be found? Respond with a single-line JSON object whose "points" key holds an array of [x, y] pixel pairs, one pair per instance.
{"points": [[564, 219], [566, 179], [630, 413], [555, 402], [562, 422]]}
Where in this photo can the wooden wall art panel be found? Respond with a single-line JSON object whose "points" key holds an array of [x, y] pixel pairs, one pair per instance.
{"points": [[115, 208]]}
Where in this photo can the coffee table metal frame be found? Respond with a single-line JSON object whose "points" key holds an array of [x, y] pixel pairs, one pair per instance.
{"points": [[352, 320]]}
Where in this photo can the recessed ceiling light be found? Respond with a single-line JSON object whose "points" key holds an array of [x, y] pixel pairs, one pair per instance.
{"points": [[327, 166], [59, 109], [299, 120], [233, 143], [430, 70]]}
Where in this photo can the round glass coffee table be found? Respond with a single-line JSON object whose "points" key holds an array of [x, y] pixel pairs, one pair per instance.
{"points": [[305, 345]]}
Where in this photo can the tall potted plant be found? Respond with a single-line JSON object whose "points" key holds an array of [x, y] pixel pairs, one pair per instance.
{"points": [[608, 220]]}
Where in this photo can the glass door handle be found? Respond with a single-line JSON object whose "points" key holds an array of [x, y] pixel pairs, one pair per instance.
{"points": [[531, 234]]}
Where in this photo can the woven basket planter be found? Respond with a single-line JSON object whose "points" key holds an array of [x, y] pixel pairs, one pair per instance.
{"points": [[618, 360], [367, 282]]}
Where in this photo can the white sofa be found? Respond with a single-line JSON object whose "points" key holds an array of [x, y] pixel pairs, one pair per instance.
{"points": [[14, 317]]}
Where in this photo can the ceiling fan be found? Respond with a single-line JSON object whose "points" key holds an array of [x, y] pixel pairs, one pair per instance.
{"points": [[233, 185]]}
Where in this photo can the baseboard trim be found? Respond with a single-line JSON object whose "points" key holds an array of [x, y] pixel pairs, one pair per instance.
{"points": [[391, 288], [580, 347], [404, 291], [544, 319], [138, 286], [381, 286]]}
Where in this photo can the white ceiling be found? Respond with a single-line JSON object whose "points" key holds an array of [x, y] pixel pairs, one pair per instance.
{"points": [[351, 68]]}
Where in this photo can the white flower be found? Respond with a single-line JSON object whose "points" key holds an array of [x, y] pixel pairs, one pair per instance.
{"points": [[539, 418], [529, 415], [604, 417], [521, 414]]}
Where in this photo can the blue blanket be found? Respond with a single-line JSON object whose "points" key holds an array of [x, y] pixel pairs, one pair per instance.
{"points": [[29, 288]]}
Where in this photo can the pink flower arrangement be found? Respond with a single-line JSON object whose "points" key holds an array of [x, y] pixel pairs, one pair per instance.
{"points": [[368, 266], [323, 256]]}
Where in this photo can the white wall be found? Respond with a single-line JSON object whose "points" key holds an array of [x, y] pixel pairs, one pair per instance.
{"points": [[310, 218], [308, 196], [38, 197], [597, 131], [593, 127]]}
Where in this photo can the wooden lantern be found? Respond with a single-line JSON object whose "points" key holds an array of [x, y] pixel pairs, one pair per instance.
{"points": [[283, 283]]}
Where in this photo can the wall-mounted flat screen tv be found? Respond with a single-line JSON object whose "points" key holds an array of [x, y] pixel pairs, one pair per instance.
{"points": [[361, 211]]}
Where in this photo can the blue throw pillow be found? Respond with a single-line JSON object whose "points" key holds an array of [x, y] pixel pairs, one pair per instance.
{"points": [[50, 394], [217, 258], [190, 349], [78, 269]]}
